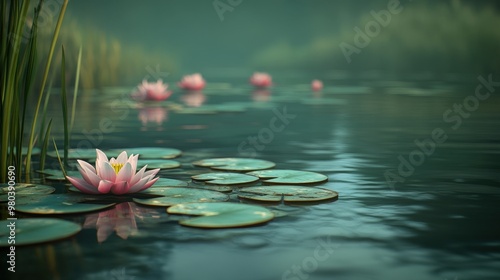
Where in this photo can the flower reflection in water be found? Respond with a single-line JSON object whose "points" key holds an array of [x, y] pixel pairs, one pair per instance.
{"points": [[261, 95], [156, 115], [193, 98], [121, 219]]}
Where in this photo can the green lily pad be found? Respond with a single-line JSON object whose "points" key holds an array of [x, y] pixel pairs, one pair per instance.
{"points": [[58, 175], [235, 164], [221, 215], [158, 163], [289, 194], [22, 190], [165, 182], [24, 151], [323, 101], [171, 196], [75, 153], [61, 204], [34, 231], [222, 178], [148, 152], [283, 176]]}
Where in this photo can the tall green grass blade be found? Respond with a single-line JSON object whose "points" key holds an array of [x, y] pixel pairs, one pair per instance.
{"points": [[59, 158], [64, 106], [75, 92], [43, 153], [44, 81]]}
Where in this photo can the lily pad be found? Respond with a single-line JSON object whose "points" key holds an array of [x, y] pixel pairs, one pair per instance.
{"points": [[24, 151], [148, 152], [171, 196], [289, 194], [221, 215], [222, 178], [283, 176], [235, 164], [34, 231], [22, 190], [158, 163], [165, 182], [58, 175], [75, 153], [61, 204]]}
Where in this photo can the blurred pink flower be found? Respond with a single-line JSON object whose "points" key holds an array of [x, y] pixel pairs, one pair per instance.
{"points": [[193, 98], [117, 176], [316, 85], [261, 80], [153, 114], [192, 82], [152, 91]]}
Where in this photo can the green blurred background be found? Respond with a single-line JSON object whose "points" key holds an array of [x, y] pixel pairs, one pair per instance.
{"points": [[123, 39]]}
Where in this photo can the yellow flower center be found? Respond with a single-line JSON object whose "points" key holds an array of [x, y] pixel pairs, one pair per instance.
{"points": [[117, 167]]}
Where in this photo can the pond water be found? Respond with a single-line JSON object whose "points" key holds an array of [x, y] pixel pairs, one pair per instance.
{"points": [[439, 221]]}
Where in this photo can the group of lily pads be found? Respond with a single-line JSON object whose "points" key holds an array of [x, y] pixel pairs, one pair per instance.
{"points": [[207, 197]]}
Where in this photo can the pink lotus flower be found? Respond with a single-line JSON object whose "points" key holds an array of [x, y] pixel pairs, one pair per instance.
{"points": [[152, 91], [316, 85], [117, 176], [261, 80], [192, 82]]}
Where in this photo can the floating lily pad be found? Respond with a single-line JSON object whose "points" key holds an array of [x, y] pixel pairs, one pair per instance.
{"points": [[235, 164], [24, 151], [58, 175], [75, 153], [171, 196], [34, 231], [22, 190], [289, 194], [165, 182], [221, 215], [158, 163], [222, 178], [61, 204], [323, 101], [148, 152], [283, 176]]}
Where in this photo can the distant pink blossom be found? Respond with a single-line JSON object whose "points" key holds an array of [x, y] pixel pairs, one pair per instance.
{"points": [[316, 85], [152, 91], [261, 80], [192, 82]]}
